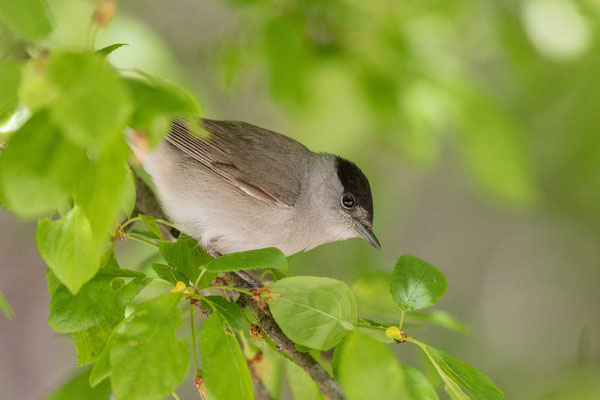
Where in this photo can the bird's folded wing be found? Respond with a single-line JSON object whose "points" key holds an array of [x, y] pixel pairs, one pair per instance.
{"points": [[261, 163]]}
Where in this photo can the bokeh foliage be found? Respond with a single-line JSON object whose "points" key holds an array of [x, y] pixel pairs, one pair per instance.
{"points": [[415, 75]]}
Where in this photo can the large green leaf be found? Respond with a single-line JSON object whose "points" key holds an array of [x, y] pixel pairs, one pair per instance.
{"points": [[417, 385], [28, 18], [39, 169], [146, 359], [91, 341], [225, 369], [5, 307], [367, 370], [229, 312], [301, 384], [312, 311], [95, 302], [269, 370], [78, 387], [252, 259], [91, 105], [102, 367], [10, 75], [107, 190], [416, 284], [457, 374], [36, 90], [69, 249], [186, 256]]}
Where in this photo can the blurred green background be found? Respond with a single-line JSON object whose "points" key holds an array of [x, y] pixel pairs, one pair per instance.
{"points": [[477, 122]]}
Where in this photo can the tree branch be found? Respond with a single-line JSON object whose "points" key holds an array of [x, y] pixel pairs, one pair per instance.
{"points": [[147, 203]]}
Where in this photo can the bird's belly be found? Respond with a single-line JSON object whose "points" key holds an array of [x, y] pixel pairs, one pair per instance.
{"points": [[214, 212]]}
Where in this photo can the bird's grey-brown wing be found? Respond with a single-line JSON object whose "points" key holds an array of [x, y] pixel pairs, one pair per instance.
{"points": [[261, 163]]}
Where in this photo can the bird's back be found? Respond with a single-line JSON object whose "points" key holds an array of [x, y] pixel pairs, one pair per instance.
{"points": [[260, 162]]}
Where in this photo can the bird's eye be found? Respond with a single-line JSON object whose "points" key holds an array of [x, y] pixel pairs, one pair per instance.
{"points": [[348, 201]]}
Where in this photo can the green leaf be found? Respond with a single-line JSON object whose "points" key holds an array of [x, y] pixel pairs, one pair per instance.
{"points": [[90, 342], [156, 104], [269, 370], [252, 259], [314, 312], [457, 374], [301, 384], [36, 89], [186, 256], [369, 370], [105, 51], [146, 359], [102, 368], [78, 387], [94, 303], [108, 189], [416, 284], [152, 225], [167, 273], [39, 169], [93, 105], [69, 249], [5, 307], [10, 76], [28, 18], [225, 369], [228, 311], [416, 384]]}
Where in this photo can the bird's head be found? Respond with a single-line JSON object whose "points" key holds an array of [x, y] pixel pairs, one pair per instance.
{"points": [[355, 201]]}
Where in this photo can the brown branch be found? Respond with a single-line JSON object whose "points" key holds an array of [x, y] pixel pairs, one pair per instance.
{"points": [[327, 385], [147, 203]]}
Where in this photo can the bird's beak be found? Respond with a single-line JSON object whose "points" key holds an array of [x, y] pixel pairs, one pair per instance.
{"points": [[367, 234]]}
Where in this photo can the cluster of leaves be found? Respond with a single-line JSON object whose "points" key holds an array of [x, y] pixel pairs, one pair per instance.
{"points": [[68, 165], [70, 157], [142, 358]]}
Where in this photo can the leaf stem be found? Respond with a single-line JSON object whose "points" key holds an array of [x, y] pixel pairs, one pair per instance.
{"points": [[265, 272], [139, 239], [175, 396], [167, 223], [199, 277], [193, 336], [130, 221], [249, 293], [401, 320]]}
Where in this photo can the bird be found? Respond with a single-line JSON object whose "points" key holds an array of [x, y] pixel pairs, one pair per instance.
{"points": [[240, 187]]}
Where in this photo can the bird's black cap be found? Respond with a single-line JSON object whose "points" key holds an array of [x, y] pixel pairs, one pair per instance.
{"points": [[355, 183]]}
